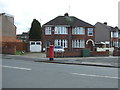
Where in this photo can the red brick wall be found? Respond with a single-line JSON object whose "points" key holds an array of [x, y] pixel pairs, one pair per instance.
{"points": [[103, 53], [9, 50], [78, 53], [115, 39], [66, 54], [116, 53], [21, 46]]}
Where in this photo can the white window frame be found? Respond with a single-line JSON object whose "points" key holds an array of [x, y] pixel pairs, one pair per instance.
{"points": [[78, 31], [61, 30], [78, 43], [115, 34], [61, 42], [115, 43], [47, 30], [90, 30]]}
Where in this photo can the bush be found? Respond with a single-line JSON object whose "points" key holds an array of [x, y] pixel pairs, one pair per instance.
{"points": [[19, 52]]}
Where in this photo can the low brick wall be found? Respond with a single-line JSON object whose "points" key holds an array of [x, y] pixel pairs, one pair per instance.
{"points": [[102, 53], [116, 53], [21, 46], [9, 50], [12, 47], [78, 53], [66, 54], [69, 54]]}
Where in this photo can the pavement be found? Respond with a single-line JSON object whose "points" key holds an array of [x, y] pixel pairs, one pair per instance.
{"points": [[109, 61]]}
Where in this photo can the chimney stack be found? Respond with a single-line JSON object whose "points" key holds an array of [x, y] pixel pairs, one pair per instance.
{"points": [[66, 14]]}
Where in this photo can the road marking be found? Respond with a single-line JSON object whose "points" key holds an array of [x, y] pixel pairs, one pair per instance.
{"points": [[95, 75], [18, 68]]}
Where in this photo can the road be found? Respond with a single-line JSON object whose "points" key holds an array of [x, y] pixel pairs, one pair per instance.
{"points": [[30, 74]]}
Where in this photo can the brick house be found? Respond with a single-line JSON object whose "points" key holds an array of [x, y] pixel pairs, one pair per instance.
{"points": [[8, 42], [70, 32], [106, 36], [8, 29], [115, 37], [24, 36]]}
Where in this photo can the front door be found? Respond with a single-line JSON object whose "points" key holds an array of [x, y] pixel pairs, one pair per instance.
{"points": [[90, 45]]}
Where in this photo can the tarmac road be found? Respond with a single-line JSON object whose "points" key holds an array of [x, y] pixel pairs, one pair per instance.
{"points": [[29, 74]]}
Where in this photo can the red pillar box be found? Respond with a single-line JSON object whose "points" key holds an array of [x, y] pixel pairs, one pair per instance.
{"points": [[51, 52]]}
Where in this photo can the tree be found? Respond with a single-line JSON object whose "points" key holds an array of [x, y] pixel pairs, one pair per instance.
{"points": [[35, 30]]}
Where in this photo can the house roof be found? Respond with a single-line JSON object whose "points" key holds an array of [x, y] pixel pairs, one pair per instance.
{"points": [[110, 28], [103, 25], [2, 14], [115, 29], [68, 20]]}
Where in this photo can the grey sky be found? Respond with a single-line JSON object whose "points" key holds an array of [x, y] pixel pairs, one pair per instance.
{"points": [[91, 11]]}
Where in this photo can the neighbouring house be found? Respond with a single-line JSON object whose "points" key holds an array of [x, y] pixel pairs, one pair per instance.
{"points": [[24, 36], [106, 36], [69, 32], [9, 43], [115, 37], [8, 29]]}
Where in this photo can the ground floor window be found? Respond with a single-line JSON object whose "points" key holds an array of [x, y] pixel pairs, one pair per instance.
{"points": [[61, 42], [115, 43], [78, 43]]}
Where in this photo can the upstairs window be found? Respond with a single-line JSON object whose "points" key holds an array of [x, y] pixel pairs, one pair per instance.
{"points": [[47, 30], [61, 30], [114, 34], [78, 30], [90, 31]]}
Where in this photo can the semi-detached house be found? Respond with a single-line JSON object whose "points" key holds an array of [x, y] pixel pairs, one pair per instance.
{"points": [[68, 31]]}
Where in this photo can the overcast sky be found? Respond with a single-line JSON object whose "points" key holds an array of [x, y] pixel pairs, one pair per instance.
{"points": [[91, 11]]}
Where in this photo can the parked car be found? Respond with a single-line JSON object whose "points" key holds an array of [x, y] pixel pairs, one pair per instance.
{"points": [[58, 49]]}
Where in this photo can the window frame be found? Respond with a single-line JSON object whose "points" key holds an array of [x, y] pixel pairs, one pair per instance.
{"points": [[78, 30], [115, 43], [79, 43], [61, 42], [48, 30], [89, 31], [61, 30], [115, 34]]}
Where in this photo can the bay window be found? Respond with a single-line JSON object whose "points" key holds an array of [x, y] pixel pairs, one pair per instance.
{"points": [[61, 30], [78, 43], [61, 42], [78, 30]]}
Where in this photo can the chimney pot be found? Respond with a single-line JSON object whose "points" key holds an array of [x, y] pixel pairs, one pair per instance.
{"points": [[105, 23], [66, 14]]}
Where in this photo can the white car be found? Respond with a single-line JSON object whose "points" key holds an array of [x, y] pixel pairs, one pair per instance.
{"points": [[58, 49]]}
